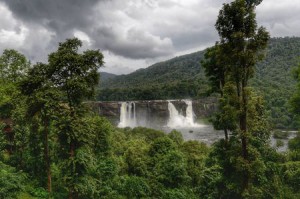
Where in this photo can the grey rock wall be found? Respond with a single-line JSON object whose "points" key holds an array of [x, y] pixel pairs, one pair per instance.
{"points": [[156, 111]]}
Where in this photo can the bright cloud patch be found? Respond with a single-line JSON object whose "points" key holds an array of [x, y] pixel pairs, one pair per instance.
{"points": [[134, 32]]}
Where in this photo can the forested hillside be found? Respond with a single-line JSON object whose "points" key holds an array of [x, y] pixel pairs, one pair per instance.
{"points": [[175, 78], [183, 77], [171, 71], [54, 145], [106, 76]]}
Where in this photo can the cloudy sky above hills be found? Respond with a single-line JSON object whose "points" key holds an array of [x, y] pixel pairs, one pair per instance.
{"points": [[132, 33]]}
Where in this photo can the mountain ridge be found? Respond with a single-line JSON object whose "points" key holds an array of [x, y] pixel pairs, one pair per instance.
{"points": [[183, 77], [159, 70]]}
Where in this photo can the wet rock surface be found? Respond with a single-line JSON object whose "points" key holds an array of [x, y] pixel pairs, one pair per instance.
{"points": [[156, 111]]}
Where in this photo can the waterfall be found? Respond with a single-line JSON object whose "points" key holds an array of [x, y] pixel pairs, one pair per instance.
{"points": [[177, 120], [127, 115], [189, 113]]}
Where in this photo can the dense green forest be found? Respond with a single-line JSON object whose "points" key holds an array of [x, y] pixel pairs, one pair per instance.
{"points": [[52, 144], [184, 77]]}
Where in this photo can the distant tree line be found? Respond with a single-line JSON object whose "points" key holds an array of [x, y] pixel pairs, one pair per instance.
{"points": [[273, 80]]}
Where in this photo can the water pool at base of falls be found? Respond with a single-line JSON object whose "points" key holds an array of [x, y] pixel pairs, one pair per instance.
{"points": [[182, 121], [202, 133]]}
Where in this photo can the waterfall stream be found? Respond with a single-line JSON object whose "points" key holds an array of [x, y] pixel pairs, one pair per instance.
{"points": [[133, 114], [177, 120], [127, 115], [167, 117]]}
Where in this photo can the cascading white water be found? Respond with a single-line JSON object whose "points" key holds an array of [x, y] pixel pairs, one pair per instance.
{"points": [[177, 120], [123, 113], [127, 115], [189, 113], [134, 116]]}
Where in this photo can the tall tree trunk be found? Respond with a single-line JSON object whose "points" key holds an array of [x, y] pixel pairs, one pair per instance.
{"points": [[226, 135], [46, 155], [222, 83], [71, 186], [72, 194], [243, 129]]}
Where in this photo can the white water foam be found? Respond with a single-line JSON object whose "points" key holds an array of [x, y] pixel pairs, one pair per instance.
{"points": [[127, 115], [177, 120]]}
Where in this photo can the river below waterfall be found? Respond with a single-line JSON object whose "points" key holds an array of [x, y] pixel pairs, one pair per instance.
{"points": [[182, 120], [203, 133], [208, 135]]}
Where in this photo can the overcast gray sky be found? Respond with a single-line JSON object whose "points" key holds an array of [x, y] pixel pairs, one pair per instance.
{"points": [[130, 33]]}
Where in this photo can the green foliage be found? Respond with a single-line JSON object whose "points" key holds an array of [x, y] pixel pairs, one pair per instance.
{"points": [[294, 144], [211, 178], [161, 146], [275, 81], [230, 64], [54, 136], [184, 77], [7, 91], [136, 158], [13, 65], [37, 193], [296, 96], [195, 154], [134, 187], [215, 66], [171, 170], [146, 163], [75, 74], [258, 123], [148, 134], [12, 182], [177, 194], [277, 134], [291, 175], [176, 136], [279, 143], [170, 72], [2, 138]]}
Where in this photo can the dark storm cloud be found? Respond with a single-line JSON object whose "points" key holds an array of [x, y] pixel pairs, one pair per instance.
{"points": [[54, 19], [56, 14], [133, 33], [134, 43], [65, 17]]}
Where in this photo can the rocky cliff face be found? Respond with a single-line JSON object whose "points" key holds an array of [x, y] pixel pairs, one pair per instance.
{"points": [[156, 111]]}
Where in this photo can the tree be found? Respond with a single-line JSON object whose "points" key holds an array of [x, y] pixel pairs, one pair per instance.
{"points": [[43, 105], [56, 92], [75, 75], [12, 182], [215, 68], [13, 65], [296, 97], [215, 65], [241, 46]]}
